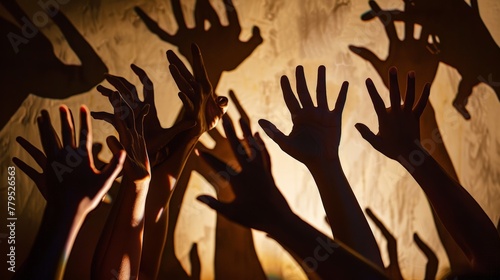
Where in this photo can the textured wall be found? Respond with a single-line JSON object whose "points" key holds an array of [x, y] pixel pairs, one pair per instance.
{"points": [[295, 32]]}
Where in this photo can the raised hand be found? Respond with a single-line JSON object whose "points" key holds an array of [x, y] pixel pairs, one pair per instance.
{"points": [[72, 187], [69, 177], [431, 267], [314, 141], [222, 48], [465, 42], [157, 138], [399, 125], [201, 104], [121, 239], [459, 213], [258, 202], [393, 271], [316, 130], [409, 54]]}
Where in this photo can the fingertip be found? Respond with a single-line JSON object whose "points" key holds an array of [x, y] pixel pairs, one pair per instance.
{"points": [[411, 74], [393, 70]]}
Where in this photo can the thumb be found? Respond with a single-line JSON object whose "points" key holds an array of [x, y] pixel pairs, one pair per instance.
{"points": [[368, 135], [220, 207], [275, 134]]}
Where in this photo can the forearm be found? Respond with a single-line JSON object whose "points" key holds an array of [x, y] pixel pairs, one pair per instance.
{"points": [[164, 178], [346, 217], [320, 254], [52, 247], [460, 214], [120, 246]]}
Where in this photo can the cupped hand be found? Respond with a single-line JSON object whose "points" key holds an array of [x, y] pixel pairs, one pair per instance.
{"points": [[69, 179], [258, 203], [399, 127], [316, 130]]}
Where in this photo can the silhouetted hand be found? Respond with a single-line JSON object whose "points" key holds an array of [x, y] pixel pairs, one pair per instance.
{"points": [[201, 104], [465, 42], [432, 261], [28, 53], [393, 271], [222, 48], [406, 55], [131, 132], [316, 130], [69, 178], [258, 203], [72, 187], [222, 148], [399, 125], [157, 138]]}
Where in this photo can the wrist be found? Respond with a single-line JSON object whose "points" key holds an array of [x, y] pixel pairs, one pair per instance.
{"points": [[283, 225], [412, 156]]}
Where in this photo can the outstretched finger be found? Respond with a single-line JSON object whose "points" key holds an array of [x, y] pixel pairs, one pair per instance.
{"points": [[147, 85], [410, 92], [179, 16], [199, 71], [432, 260], [378, 103], [241, 111], [205, 11], [105, 116], [392, 248], [177, 62], [290, 100], [126, 89], [321, 88], [422, 102], [368, 55], [222, 208], [394, 92], [339, 105], [194, 259], [34, 175], [369, 136], [85, 130], [154, 28], [386, 19], [234, 141], [67, 127], [396, 15], [181, 82], [50, 141], [221, 169], [232, 15], [33, 151], [275, 134], [409, 30], [104, 90], [302, 91]]}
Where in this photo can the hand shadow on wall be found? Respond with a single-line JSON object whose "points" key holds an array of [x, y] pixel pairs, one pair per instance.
{"points": [[29, 64]]}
